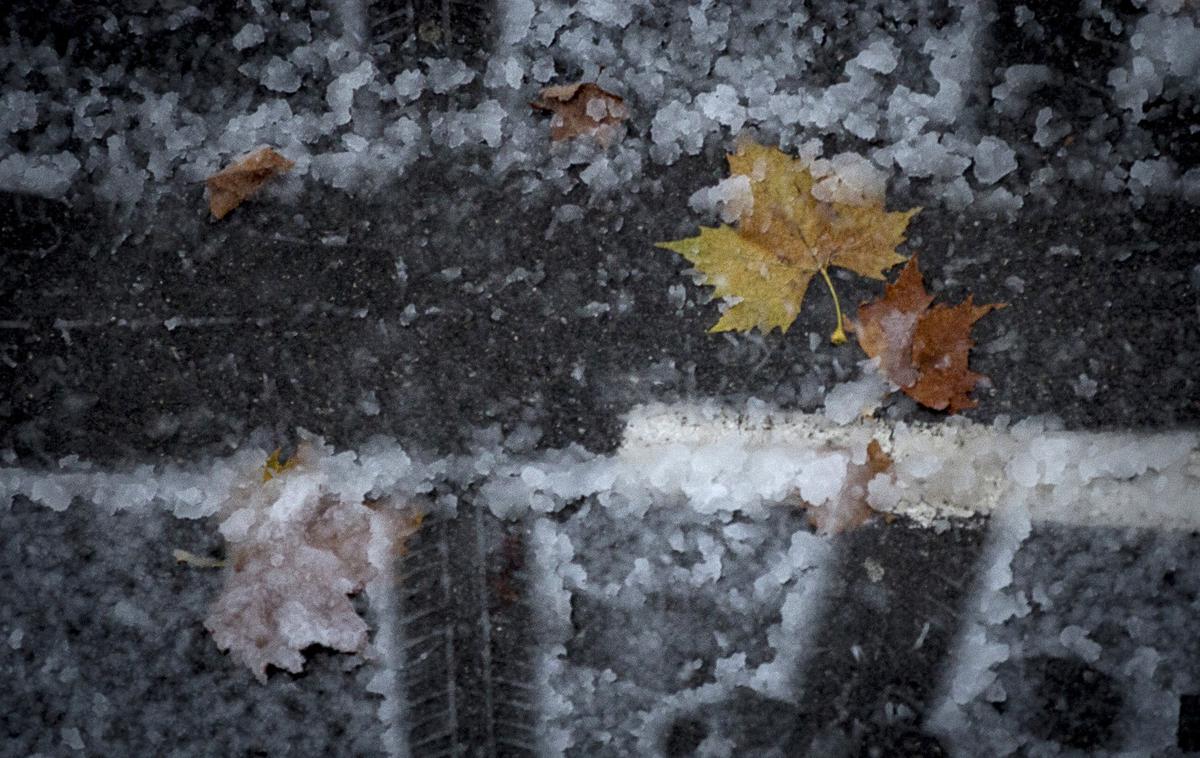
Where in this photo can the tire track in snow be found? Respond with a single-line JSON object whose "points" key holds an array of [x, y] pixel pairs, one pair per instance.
{"points": [[487, 650]]}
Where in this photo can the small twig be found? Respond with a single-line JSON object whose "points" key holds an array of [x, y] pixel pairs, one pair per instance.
{"points": [[196, 561]]}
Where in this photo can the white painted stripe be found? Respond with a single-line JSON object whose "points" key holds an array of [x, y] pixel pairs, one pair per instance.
{"points": [[721, 459], [959, 468]]}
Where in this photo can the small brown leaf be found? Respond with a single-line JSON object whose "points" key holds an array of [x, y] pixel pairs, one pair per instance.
{"points": [[924, 351], [229, 188], [582, 108], [849, 510], [878, 462]]}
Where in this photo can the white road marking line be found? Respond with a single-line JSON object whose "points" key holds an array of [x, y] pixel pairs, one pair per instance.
{"points": [[959, 468]]}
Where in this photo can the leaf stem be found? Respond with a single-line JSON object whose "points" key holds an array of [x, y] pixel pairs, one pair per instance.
{"points": [[839, 334]]}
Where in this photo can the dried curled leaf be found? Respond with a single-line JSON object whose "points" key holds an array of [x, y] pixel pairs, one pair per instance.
{"points": [[923, 350], [783, 238], [296, 552], [229, 188], [582, 108]]}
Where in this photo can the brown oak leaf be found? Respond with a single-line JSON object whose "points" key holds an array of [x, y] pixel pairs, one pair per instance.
{"points": [[582, 108], [921, 349], [229, 188]]}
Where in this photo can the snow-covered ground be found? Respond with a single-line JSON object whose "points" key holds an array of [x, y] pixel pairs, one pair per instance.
{"points": [[675, 583], [915, 94], [686, 572]]}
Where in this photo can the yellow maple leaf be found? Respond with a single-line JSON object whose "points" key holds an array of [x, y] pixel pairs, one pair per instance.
{"points": [[783, 239]]}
